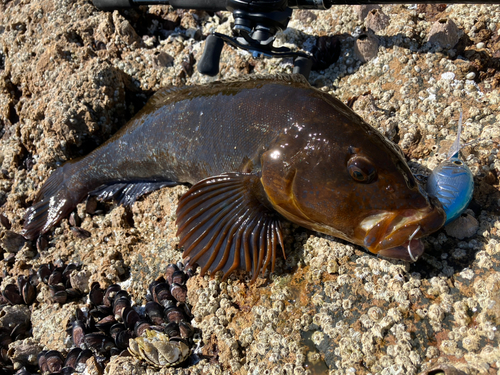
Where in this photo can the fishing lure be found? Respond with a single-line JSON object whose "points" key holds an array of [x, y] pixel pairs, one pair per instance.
{"points": [[452, 182]]}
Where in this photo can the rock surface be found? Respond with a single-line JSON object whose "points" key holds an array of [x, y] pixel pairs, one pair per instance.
{"points": [[71, 75]]}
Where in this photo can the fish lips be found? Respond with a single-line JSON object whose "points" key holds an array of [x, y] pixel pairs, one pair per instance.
{"points": [[397, 235]]}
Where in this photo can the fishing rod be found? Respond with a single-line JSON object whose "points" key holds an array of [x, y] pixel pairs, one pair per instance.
{"points": [[256, 23]]}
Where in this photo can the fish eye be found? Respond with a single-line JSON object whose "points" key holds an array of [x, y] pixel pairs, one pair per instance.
{"points": [[361, 170], [457, 162]]}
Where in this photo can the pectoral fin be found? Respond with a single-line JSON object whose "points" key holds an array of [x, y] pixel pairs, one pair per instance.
{"points": [[224, 226]]}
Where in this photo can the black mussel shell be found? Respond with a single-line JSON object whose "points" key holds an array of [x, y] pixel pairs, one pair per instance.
{"points": [[153, 285], [74, 219], [67, 371], [105, 323], [179, 277], [130, 317], [73, 293], [56, 276], [162, 293], [115, 351], [54, 360], [121, 294], [28, 291], [172, 329], [101, 311], [187, 311], [96, 294], [174, 314], [99, 342], [154, 312], [67, 271], [119, 304], [11, 294], [115, 329], [41, 244], [186, 330], [171, 269], [179, 292], [44, 272], [78, 333], [22, 371], [140, 327], [110, 293], [21, 331], [72, 357], [84, 356], [58, 293], [42, 361], [122, 339]]}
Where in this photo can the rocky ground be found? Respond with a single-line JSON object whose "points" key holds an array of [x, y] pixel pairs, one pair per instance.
{"points": [[71, 75]]}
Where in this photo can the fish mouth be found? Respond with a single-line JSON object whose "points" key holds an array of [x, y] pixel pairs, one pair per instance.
{"points": [[397, 234]]}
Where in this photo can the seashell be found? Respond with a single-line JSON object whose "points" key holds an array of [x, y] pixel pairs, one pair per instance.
{"points": [[12, 295], [169, 272], [140, 327], [72, 357], [67, 371], [58, 293], [91, 205], [115, 329], [42, 361], [105, 323], [44, 272], [54, 360], [119, 304], [110, 293], [186, 330], [130, 317], [84, 356], [154, 312], [178, 277], [174, 314], [73, 293], [122, 339], [366, 46], [179, 292], [28, 291], [78, 333], [74, 219], [21, 331], [22, 371], [80, 232], [67, 271], [41, 243], [5, 222], [444, 33], [158, 350], [99, 342], [161, 292], [56, 277], [172, 330], [96, 294]]}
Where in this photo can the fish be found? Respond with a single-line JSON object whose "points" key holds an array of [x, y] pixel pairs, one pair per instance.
{"points": [[452, 181], [256, 152]]}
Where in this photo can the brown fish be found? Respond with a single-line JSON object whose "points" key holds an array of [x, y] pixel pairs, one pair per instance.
{"points": [[257, 151]]}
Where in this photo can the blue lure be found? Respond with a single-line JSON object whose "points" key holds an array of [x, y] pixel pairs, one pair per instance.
{"points": [[452, 182]]}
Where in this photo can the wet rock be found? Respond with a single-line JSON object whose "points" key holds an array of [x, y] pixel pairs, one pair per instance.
{"points": [[24, 351], [11, 242]]}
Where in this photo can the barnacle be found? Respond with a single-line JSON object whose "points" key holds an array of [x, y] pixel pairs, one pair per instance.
{"points": [[157, 349]]}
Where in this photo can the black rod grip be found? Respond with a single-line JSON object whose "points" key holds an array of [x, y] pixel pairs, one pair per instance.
{"points": [[207, 5], [112, 4], [209, 62]]}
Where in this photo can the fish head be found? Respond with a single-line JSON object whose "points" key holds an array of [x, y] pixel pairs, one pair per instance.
{"points": [[352, 184]]}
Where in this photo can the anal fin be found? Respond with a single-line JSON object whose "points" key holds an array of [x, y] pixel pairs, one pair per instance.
{"points": [[126, 193], [223, 225]]}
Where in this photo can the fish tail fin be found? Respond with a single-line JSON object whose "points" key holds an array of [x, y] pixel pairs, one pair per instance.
{"points": [[54, 201]]}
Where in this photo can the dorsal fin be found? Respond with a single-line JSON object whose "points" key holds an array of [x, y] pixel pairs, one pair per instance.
{"points": [[162, 96]]}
